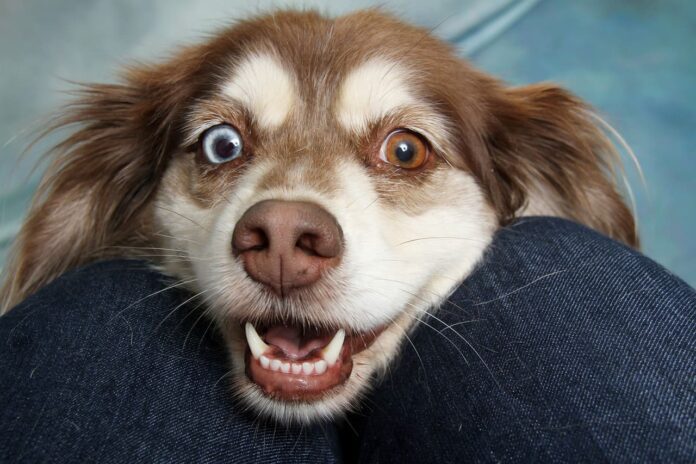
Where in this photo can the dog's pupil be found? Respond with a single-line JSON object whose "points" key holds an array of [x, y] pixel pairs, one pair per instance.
{"points": [[405, 151], [225, 148]]}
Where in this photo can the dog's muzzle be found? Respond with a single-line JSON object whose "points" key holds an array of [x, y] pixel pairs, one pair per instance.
{"points": [[287, 246]]}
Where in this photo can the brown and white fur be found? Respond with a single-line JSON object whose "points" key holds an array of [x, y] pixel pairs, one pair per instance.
{"points": [[313, 99]]}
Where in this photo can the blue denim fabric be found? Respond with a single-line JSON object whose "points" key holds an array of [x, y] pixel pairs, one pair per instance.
{"points": [[95, 372], [562, 346]]}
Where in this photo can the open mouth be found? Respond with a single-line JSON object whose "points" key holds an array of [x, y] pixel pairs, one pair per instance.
{"points": [[301, 364]]}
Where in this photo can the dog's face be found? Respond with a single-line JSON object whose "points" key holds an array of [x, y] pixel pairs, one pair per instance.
{"points": [[321, 184], [319, 209]]}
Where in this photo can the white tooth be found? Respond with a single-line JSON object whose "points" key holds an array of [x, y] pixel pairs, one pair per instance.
{"points": [[296, 368], [320, 366], [307, 367], [275, 365], [265, 362], [285, 368], [256, 345], [333, 349]]}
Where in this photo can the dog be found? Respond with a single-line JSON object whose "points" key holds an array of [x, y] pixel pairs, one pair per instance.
{"points": [[320, 184]]}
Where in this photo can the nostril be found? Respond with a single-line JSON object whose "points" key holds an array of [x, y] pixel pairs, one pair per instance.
{"points": [[249, 239], [257, 239], [308, 244]]}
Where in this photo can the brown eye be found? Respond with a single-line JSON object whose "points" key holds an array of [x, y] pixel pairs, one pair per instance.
{"points": [[405, 149]]}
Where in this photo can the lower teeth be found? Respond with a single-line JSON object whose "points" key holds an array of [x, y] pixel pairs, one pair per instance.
{"points": [[330, 354], [307, 368]]}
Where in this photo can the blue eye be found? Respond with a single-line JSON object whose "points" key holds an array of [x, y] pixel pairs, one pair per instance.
{"points": [[221, 143]]}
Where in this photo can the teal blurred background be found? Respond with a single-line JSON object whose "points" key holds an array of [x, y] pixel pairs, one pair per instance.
{"points": [[634, 60]]}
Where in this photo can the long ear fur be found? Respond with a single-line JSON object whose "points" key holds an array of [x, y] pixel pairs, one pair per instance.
{"points": [[99, 180], [549, 156], [103, 177]]}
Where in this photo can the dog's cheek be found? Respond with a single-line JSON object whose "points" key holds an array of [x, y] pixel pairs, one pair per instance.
{"points": [[461, 229], [181, 224], [452, 236], [403, 262], [218, 272], [195, 236]]}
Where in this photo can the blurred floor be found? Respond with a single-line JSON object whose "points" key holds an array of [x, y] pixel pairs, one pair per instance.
{"points": [[634, 60]]}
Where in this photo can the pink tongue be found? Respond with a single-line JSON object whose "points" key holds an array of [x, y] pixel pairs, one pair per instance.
{"points": [[293, 343]]}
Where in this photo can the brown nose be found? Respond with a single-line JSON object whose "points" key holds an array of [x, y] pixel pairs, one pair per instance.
{"points": [[287, 244]]}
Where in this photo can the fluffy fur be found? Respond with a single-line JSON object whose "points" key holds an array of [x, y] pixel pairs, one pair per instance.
{"points": [[314, 98]]}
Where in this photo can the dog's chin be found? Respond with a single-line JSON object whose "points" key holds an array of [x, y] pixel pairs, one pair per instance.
{"points": [[321, 378]]}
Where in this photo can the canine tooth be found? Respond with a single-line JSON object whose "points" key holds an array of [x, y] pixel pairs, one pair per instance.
{"points": [[285, 368], [296, 368], [275, 365], [333, 349], [256, 345], [265, 362], [320, 366], [307, 367]]}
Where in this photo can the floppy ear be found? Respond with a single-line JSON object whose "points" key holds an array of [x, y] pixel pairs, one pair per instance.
{"points": [[99, 179], [550, 156]]}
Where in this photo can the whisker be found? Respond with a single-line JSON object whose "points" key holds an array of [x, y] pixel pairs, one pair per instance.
{"points": [[414, 317], [460, 323], [512, 292], [226, 374], [181, 257], [439, 297], [195, 322], [461, 353], [442, 238], [146, 248], [176, 308], [182, 216], [177, 238], [175, 285], [203, 313], [410, 341], [205, 332], [469, 344]]}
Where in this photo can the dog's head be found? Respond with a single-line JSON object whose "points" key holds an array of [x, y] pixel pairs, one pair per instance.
{"points": [[319, 183]]}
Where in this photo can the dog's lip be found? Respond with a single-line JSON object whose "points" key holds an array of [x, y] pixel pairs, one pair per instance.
{"points": [[283, 376]]}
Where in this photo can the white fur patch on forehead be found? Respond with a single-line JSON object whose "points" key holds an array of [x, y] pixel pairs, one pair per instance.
{"points": [[264, 87], [371, 91]]}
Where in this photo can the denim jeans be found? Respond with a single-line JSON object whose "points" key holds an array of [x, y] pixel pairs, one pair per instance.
{"points": [[562, 346]]}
